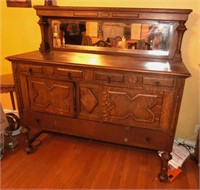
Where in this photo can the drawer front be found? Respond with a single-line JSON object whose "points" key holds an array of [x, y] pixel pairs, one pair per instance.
{"points": [[31, 69], [109, 77], [158, 81], [153, 139], [51, 71], [69, 73], [144, 138]]}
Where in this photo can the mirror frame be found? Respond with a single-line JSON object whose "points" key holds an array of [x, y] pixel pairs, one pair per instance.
{"points": [[176, 16]]}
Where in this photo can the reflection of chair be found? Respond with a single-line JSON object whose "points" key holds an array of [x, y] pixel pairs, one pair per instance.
{"points": [[131, 45], [116, 40], [101, 43], [148, 47], [86, 41], [7, 86]]}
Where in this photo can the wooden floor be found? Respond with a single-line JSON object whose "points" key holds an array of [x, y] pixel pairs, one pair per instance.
{"points": [[64, 162]]}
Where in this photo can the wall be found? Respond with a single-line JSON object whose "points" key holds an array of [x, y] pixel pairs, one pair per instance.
{"points": [[20, 33]]}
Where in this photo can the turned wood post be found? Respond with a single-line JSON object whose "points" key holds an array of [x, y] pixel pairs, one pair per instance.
{"points": [[25, 130], [44, 26], [180, 30], [165, 157]]}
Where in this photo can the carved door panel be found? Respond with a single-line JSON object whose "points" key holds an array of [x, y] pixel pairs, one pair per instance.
{"points": [[51, 96], [89, 101], [133, 107]]}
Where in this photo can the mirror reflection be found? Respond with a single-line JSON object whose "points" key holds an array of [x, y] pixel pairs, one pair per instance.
{"points": [[143, 36]]}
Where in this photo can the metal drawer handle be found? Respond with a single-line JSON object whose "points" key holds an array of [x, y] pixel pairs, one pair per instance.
{"points": [[38, 121], [69, 75], [157, 83], [147, 139], [31, 71], [109, 79]]}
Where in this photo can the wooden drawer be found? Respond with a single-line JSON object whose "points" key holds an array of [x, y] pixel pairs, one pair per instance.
{"points": [[69, 73], [158, 81], [109, 77], [31, 69], [141, 137]]}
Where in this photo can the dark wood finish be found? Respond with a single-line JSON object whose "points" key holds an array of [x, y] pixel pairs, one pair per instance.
{"points": [[8, 86], [118, 99], [131, 100], [74, 163]]}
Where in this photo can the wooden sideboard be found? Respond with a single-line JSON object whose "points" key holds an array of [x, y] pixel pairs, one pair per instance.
{"points": [[111, 95]]}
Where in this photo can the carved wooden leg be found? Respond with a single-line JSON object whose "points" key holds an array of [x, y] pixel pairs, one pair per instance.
{"points": [[165, 157], [29, 148]]}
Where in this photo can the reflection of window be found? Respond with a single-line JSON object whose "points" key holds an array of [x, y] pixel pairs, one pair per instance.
{"points": [[159, 36], [135, 31], [111, 30], [92, 29]]}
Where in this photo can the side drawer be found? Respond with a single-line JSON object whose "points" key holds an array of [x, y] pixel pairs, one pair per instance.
{"points": [[147, 138], [109, 77], [158, 81], [31, 69]]}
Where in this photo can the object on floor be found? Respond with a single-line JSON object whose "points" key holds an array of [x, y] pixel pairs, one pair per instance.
{"points": [[14, 124], [3, 125], [173, 173], [179, 155]]}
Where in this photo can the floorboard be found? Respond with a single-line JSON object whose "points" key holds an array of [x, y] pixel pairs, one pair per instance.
{"points": [[65, 162]]}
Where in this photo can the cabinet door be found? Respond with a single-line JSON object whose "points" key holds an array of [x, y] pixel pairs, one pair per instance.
{"points": [[51, 96], [137, 107], [89, 101]]}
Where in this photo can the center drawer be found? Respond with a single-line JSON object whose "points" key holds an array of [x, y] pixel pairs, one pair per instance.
{"points": [[109, 77], [70, 73]]}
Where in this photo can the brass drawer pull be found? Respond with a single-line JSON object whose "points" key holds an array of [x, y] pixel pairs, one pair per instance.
{"points": [[147, 139]]}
